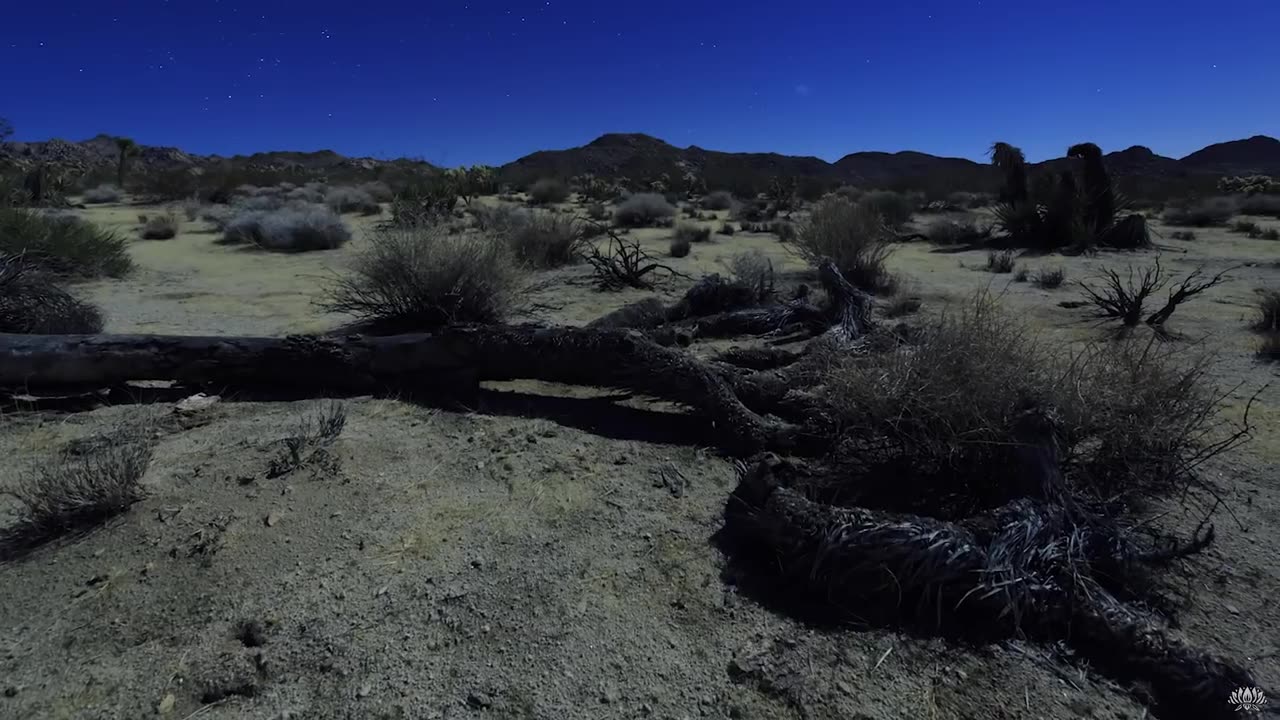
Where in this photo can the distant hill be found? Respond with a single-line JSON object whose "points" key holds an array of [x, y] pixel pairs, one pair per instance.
{"points": [[643, 158]]}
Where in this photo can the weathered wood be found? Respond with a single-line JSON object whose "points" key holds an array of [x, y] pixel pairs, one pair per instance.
{"points": [[450, 360]]}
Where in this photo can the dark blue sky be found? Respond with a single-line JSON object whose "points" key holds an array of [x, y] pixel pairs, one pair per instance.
{"points": [[489, 81]]}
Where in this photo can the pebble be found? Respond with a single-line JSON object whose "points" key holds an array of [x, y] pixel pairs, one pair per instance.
{"points": [[479, 700]]}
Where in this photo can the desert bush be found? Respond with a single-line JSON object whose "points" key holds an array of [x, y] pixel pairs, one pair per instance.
{"points": [[1202, 213], [1270, 234], [312, 435], [894, 207], [498, 219], [31, 303], [718, 200], [259, 203], [785, 231], [1182, 235], [545, 240], [622, 263], [292, 229], [754, 210], [420, 278], [1269, 348], [343, 200], [1022, 275], [1247, 227], [680, 247], [161, 227], [1268, 319], [643, 210], [379, 191], [102, 194], [191, 208], [754, 270], [217, 216], [954, 232], [726, 229], [310, 193], [548, 191], [77, 493], [853, 237], [63, 244], [1267, 205], [1050, 279], [598, 212], [850, 193], [692, 233], [1124, 298], [1002, 261]]}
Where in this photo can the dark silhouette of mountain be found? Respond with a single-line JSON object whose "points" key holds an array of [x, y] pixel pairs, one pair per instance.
{"points": [[1256, 155]]}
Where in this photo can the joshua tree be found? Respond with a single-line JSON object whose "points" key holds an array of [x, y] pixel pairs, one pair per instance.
{"points": [[1013, 164], [127, 148], [1099, 199]]}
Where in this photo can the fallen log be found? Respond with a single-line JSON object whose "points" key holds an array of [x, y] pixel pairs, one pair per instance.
{"points": [[448, 361]]}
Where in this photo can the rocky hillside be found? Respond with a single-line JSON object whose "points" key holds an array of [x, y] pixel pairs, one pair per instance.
{"points": [[1256, 155]]}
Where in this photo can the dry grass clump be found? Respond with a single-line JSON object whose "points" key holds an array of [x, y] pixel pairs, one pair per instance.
{"points": [[688, 232], [1260, 204], [379, 191], [313, 434], [1050, 279], [853, 236], [643, 210], [1268, 319], [894, 208], [950, 231], [161, 227], [598, 212], [191, 208], [347, 199], [63, 245], [718, 200], [754, 270], [1003, 261], [77, 493], [680, 247], [102, 194], [31, 303], [420, 278], [292, 229], [544, 240], [548, 191], [312, 193], [727, 230], [1201, 213]]}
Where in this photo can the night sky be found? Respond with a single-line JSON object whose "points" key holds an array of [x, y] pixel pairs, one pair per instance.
{"points": [[485, 82]]}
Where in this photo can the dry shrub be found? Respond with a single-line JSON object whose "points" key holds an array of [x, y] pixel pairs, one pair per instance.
{"points": [[78, 492], [261, 203], [688, 232], [853, 236], [680, 247], [313, 434], [63, 245], [1002, 261], [727, 229], [597, 211], [312, 193], [785, 231], [344, 200], [31, 303], [421, 278], [1201, 213], [544, 240], [1050, 279], [1260, 204], [643, 210], [161, 227], [946, 409], [718, 200], [754, 270], [894, 208], [498, 219], [191, 208], [548, 191], [1269, 348], [102, 194], [379, 191], [1268, 319], [954, 232], [293, 229]]}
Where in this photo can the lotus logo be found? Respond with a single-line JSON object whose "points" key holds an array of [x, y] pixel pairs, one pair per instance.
{"points": [[1247, 699]]}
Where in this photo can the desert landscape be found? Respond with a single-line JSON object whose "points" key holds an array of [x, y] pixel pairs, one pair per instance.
{"points": [[630, 431]]}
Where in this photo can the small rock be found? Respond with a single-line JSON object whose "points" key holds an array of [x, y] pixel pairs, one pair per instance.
{"points": [[195, 404], [166, 705], [845, 687], [272, 518], [1231, 608], [11, 691], [479, 700], [363, 691]]}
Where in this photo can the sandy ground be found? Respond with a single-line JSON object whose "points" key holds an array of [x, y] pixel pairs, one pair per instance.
{"points": [[548, 555]]}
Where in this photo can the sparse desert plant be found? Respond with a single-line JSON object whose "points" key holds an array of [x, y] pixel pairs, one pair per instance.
{"points": [[754, 270], [786, 231], [259, 203], [498, 219], [643, 210], [379, 191], [1050, 279], [849, 192], [420, 278], [726, 229], [63, 244], [1247, 227], [949, 231], [310, 193], [622, 263], [1262, 205], [689, 232], [1268, 319], [191, 208], [217, 216], [1202, 213], [1002, 261], [102, 194], [718, 200], [77, 493], [680, 247], [545, 240], [1022, 275], [895, 208], [1124, 298], [292, 229], [853, 236], [1270, 234], [31, 303], [548, 191], [343, 200], [313, 433], [598, 212], [161, 227], [1186, 235]]}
